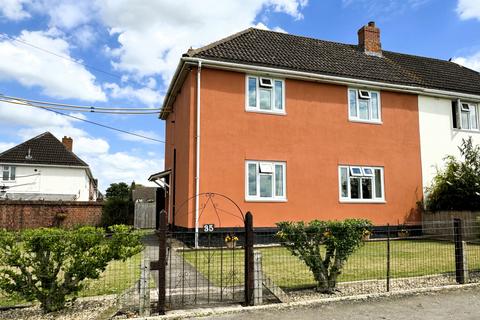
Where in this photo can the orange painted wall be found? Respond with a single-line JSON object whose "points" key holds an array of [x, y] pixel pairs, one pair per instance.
{"points": [[313, 139], [180, 135]]}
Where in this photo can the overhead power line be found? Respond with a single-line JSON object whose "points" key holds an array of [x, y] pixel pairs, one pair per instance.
{"points": [[78, 108], [92, 122]]}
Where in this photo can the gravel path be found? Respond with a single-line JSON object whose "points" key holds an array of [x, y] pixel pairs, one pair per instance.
{"points": [[461, 304]]}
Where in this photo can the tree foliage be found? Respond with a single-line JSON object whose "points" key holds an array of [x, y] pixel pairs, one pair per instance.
{"points": [[324, 246], [50, 265], [119, 207], [457, 186]]}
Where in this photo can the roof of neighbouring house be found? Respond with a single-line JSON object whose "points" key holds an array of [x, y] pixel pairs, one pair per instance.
{"points": [[144, 193], [290, 52], [42, 149]]}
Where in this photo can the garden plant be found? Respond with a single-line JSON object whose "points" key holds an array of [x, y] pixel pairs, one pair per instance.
{"points": [[324, 246], [50, 264]]}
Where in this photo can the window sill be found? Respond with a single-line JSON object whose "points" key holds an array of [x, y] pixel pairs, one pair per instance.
{"points": [[467, 130], [363, 201], [265, 200], [8, 181], [276, 113], [365, 121]]}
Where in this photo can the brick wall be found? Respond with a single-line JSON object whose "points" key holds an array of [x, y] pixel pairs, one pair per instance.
{"points": [[16, 215]]}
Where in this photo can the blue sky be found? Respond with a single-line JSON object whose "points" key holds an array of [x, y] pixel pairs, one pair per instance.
{"points": [[139, 44]]}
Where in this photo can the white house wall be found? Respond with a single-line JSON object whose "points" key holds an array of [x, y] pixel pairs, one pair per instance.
{"points": [[50, 181], [438, 138]]}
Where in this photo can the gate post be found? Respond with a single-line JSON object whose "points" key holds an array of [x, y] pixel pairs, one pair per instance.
{"points": [[249, 261], [460, 261], [162, 261]]}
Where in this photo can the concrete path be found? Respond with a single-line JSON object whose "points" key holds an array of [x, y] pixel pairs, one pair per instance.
{"points": [[461, 304]]}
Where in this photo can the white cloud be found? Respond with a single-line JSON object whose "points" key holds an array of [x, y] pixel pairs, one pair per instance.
{"points": [[6, 145], [262, 26], [146, 95], [472, 62], [13, 9], [57, 77], [468, 9], [153, 44]]}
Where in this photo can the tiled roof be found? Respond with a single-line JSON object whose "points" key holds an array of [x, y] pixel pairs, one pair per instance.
{"points": [[43, 149], [285, 51]]}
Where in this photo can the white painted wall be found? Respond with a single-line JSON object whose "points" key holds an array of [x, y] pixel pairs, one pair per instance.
{"points": [[35, 179], [438, 138]]}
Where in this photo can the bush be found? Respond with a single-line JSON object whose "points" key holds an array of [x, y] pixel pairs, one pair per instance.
{"points": [[117, 211], [324, 246], [457, 186], [50, 265]]}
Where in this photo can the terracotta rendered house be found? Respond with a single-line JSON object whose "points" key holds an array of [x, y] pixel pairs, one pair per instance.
{"points": [[295, 128]]}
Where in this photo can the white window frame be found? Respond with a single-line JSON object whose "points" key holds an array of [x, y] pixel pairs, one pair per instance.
{"points": [[259, 86], [359, 96], [460, 109], [9, 170], [257, 197], [348, 199]]}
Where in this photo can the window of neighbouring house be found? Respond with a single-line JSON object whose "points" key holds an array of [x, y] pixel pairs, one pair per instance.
{"points": [[265, 181], [465, 115], [364, 105], [8, 173], [265, 94], [361, 184]]}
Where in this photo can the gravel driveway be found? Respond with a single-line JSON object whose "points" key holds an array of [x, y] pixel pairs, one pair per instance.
{"points": [[459, 304]]}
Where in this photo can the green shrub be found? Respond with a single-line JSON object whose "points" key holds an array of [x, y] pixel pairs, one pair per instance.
{"points": [[50, 265], [457, 186], [117, 211], [324, 246]]}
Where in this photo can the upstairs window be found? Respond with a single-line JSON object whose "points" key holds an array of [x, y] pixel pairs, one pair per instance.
{"points": [[265, 94], [361, 184], [265, 181], [364, 105], [8, 173], [465, 115]]}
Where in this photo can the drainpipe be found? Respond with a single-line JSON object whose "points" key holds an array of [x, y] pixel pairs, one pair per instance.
{"points": [[197, 169]]}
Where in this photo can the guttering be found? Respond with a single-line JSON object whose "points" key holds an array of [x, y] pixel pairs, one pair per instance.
{"points": [[330, 79], [197, 162]]}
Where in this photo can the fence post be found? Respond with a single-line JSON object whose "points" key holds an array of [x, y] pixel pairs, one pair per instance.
{"points": [[258, 291], [162, 261], [249, 261], [144, 288], [461, 272], [388, 257]]}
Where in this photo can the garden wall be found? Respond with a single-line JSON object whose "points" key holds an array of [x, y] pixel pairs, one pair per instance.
{"points": [[17, 215], [440, 223]]}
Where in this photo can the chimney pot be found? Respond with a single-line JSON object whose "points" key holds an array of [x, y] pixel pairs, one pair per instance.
{"points": [[369, 39], [68, 143]]}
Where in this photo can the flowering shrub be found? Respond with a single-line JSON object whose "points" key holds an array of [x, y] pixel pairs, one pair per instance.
{"points": [[324, 246], [231, 238]]}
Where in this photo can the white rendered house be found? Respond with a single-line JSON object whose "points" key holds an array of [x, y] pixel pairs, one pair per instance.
{"points": [[44, 168]]}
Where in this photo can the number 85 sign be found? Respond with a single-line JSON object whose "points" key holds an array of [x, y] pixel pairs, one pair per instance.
{"points": [[208, 227]]}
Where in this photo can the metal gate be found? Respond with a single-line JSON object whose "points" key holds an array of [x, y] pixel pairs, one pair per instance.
{"points": [[213, 266]]}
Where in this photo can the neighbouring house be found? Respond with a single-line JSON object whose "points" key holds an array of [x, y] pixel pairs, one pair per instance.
{"points": [[295, 128], [44, 168]]}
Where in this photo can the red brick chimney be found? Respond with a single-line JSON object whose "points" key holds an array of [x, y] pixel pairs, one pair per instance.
{"points": [[369, 39], [68, 143]]}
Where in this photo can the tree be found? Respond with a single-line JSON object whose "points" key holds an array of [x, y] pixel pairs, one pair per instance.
{"points": [[119, 207], [50, 265], [118, 191], [324, 246], [457, 186]]}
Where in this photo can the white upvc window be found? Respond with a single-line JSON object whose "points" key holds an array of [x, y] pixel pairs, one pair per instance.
{"points": [[361, 184], [265, 181], [465, 116], [8, 173], [364, 105], [265, 94]]}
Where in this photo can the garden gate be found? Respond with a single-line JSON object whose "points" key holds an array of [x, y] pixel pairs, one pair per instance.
{"points": [[212, 265]]}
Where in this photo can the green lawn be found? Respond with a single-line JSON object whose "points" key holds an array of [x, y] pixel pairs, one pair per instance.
{"points": [[408, 258], [119, 276]]}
